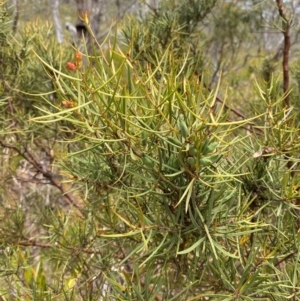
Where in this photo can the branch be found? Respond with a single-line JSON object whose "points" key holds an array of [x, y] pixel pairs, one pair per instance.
{"points": [[33, 243], [44, 171]]}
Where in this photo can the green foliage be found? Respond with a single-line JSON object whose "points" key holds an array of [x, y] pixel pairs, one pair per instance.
{"points": [[173, 25], [25, 158], [186, 204], [7, 64], [172, 194]]}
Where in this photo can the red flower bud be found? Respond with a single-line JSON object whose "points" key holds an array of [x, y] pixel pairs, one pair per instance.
{"points": [[71, 66]]}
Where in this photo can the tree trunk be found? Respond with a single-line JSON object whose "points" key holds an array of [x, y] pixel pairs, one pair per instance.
{"points": [[56, 20], [16, 15], [94, 10]]}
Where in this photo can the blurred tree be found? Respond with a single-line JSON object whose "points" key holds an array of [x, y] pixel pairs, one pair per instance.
{"points": [[172, 26], [94, 10], [56, 20], [98, 13], [16, 15]]}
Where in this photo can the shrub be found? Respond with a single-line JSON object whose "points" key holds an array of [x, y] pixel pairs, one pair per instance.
{"points": [[180, 197]]}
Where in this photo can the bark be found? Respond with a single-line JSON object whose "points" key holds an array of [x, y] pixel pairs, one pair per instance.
{"points": [[56, 20]]}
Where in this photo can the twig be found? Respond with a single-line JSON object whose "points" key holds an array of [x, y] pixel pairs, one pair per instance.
{"points": [[33, 243], [286, 258]]}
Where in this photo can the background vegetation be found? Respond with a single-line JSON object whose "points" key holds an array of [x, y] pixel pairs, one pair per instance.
{"points": [[157, 163]]}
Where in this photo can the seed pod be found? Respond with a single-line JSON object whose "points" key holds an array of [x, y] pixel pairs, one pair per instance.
{"points": [[147, 161], [144, 138], [191, 161], [173, 162], [176, 163], [214, 158], [183, 128], [205, 161], [211, 147], [174, 142], [193, 151], [170, 161]]}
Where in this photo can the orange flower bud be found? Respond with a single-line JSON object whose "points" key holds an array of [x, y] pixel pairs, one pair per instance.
{"points": [[68, 104], [78, 56], [71, 66], [85, 18]]}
